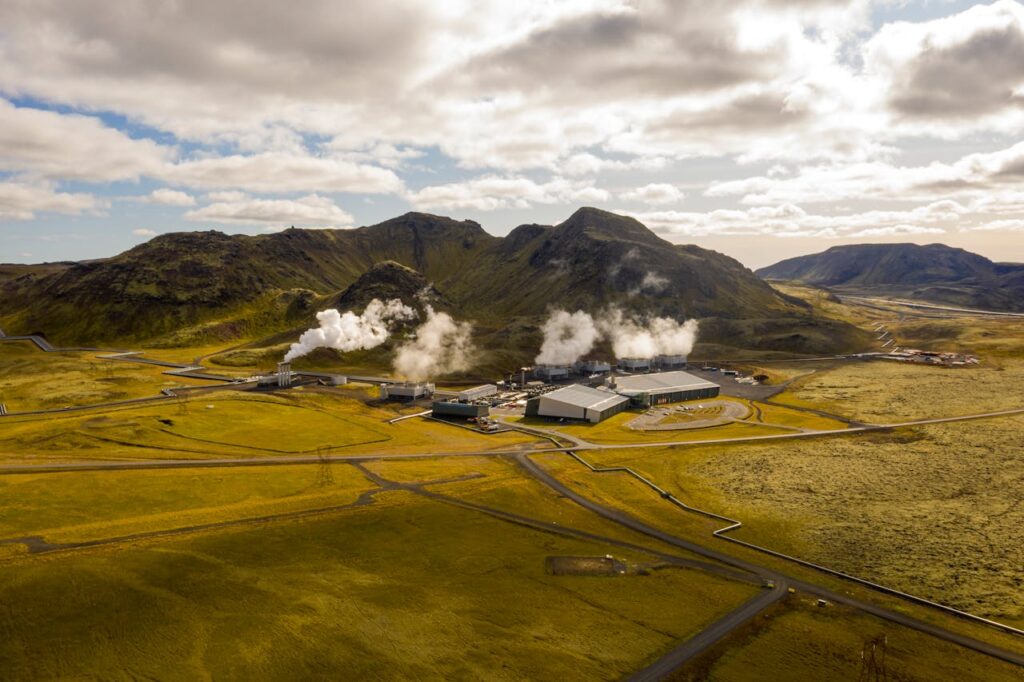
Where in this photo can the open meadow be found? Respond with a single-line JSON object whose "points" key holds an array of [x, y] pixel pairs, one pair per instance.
{"points": [[887, 392], [934, 511], [404, 587], [799, 641], [235, 424], [33, 380]]}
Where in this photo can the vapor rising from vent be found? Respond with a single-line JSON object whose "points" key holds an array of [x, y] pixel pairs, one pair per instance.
{"points": [[348, 331], [567, 337], [440, 345], [570, 336], [635, 338]]}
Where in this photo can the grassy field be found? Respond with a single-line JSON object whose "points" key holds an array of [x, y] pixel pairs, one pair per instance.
{"points": [[237, 424], [80, 506], [406, 588], [33, 380], [803, 642], [890, 392], [934, 511]]}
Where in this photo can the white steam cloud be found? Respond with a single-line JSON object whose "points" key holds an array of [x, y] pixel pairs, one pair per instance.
{"points": [[568, 337], [440, 345], [632, 338], [348, 331]]}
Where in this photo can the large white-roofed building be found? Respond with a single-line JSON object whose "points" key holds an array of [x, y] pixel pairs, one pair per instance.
{"points": [[577, 402], [664, 387]]}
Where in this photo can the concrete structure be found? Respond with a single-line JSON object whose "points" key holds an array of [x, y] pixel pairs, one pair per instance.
{"points": [[635, 364], [284, 374], [577, 402], [593, 367], [664, 387], [461, 410], [477, 392], [551, 372], [336, 379], [406, 391], [267, 381], [670, 361]]}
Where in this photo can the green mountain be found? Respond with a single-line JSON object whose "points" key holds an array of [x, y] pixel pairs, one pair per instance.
{"points": [[934, 272], [205, 287]]}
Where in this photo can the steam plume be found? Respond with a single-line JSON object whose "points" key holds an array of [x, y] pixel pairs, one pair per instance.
{"points": [[632, 338], [348, 331], [440, 345], [567, 337]]}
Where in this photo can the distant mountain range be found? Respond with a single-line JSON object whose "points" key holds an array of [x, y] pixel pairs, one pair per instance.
{"points": [[202, 288], [935, 273]]}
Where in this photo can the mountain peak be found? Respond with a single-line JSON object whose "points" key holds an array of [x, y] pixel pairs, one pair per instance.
{"points": [[604, 225]]}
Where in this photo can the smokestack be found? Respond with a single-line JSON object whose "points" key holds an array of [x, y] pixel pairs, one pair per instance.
{"points": [[284, 374]]}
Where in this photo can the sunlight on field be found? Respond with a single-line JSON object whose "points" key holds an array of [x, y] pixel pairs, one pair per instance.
{"points": [[33, 380], [406, 588], [71, 507], [236, 424], [933, 511], [886, 392]]}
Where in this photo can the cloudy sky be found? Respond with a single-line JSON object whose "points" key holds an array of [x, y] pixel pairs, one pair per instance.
{"points": [[760, 128]]}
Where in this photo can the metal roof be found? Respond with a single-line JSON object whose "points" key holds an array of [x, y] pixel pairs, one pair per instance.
{"points": [[585, 397], [661, 382]]}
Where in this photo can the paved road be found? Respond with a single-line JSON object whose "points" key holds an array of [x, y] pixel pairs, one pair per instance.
{"points": [[627, 521], [575, 444], [928, 306], [709, 636]]}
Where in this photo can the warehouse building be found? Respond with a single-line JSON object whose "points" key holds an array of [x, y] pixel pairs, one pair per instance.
{"points": [[577, 402], [664, 387], [477, 392], [448, 409]]}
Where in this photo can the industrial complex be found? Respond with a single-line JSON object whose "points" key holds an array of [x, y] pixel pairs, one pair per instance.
{"points": [[578, 402]]}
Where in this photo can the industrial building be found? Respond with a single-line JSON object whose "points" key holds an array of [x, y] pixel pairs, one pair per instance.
{"points": [[593, 367], [476, 393], [664, 387], [670, 361], [406, 391], [447, 408], [635, 364], [577, 402], [551, 372]]}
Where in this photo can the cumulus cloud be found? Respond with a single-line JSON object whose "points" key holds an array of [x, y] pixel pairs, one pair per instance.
{"points": [[144, 232], [170, 197], [50, 145], [960, 67], [273, 172], [493, 192], [308, 210], [23, 201], [655, 193]]}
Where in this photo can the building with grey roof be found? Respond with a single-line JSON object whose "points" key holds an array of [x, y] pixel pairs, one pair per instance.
{"points": [[664, 387], [577, 402]]}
